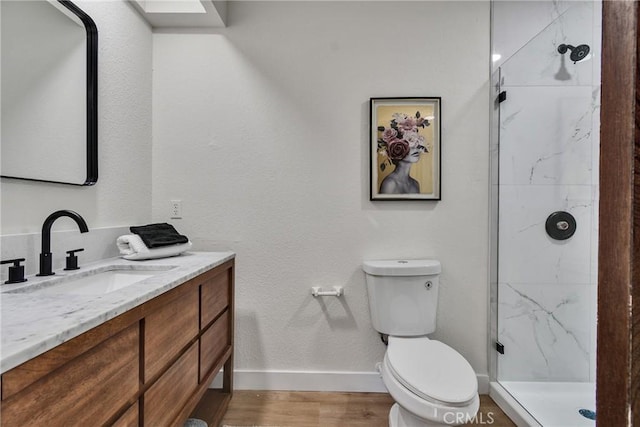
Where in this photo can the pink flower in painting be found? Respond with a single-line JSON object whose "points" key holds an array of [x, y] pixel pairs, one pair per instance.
{"points": [[389, 134], [399, 117], [396, 141], [397, 149], [413, 138], [408, 124]]}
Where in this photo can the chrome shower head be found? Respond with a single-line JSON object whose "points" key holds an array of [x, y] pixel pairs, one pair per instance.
{"points": [[578, 53]]}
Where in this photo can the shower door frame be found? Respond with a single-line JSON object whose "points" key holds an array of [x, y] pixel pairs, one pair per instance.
{"points": [[618, 348]]}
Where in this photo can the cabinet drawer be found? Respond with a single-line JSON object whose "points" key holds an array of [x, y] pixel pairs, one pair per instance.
{"points": [[167, 396], [88, 390], [168, 330], [213, 343], [215, 296]]}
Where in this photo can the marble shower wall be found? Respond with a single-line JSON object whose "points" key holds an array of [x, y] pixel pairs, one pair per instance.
{"points": [[548, 162]]}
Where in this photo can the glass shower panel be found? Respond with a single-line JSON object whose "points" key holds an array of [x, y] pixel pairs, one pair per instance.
{"points": [[547, 156]]}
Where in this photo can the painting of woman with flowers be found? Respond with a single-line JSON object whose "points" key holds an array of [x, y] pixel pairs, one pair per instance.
{"points": [[405, 148]]}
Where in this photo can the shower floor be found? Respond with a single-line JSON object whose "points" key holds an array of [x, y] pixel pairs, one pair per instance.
{"points": [[555, 404]]}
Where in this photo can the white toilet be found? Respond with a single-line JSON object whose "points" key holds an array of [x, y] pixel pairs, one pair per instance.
{"points": [[432, 384]]}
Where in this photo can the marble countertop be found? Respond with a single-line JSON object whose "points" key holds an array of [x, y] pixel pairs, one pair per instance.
{"points": [[33, 322]]}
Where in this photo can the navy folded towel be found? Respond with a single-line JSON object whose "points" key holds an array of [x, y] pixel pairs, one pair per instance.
{"points": [[156, 235]]}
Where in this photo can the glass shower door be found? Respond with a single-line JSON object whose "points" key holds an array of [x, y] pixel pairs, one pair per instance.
{"points": [[547, 224]]}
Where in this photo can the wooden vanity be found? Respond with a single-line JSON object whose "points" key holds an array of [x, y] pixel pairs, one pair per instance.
{"points": [[150, 366]]}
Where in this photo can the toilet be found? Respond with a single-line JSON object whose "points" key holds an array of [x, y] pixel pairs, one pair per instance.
{"points": [[432, 384]]}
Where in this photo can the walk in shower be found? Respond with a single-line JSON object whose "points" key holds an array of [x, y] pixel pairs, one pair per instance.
{"points": [[544, 185]]}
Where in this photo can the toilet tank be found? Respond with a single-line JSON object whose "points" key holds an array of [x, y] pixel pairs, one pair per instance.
{"points": [[403, 295]]}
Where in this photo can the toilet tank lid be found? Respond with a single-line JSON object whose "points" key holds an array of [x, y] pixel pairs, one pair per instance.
{"points": [[402, 267]]}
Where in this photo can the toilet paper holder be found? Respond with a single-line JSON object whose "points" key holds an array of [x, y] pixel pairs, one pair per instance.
{"points": [[317, 291]]}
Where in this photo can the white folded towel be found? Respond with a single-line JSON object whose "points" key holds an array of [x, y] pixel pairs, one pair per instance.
{"points": [[132, 247]]}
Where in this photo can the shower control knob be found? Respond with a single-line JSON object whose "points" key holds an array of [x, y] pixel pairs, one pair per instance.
{"points": [[560, 225]]}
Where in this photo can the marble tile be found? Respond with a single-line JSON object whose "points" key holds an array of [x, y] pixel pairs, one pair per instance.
{"points": [[548, 161], [593, 316], [595, 228], [538, 63], [494, 126], [494, 229], [597, 48], [493, 329], [545, 329], [593, 306], [595, 132], [527, 253], [597, 41], [511, 31], [546, 135]]}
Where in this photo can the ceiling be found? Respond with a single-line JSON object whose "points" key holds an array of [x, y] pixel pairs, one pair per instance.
{"points": [[183, 13]]}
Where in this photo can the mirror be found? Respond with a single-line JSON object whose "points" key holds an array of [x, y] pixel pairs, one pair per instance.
{"points": [[49, 54]]}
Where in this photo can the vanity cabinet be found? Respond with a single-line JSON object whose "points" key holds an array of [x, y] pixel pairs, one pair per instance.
{"points": [[150, 366]]}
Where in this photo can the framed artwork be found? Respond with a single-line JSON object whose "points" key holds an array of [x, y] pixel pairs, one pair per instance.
{"points": [[405, 148]]}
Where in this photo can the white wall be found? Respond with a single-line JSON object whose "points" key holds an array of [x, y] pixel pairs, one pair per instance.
{"points": [[122, 195], [261, 129]]}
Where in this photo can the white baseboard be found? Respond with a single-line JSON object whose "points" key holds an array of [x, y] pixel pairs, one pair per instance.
{"points": [[308, 381], [483, 383], [365, 382]]}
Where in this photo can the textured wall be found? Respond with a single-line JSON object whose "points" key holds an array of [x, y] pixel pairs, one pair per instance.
{"points": [[122, 195], [261, 129]]}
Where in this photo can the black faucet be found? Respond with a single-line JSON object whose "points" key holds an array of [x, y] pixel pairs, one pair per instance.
{"points": [[45, 256]]}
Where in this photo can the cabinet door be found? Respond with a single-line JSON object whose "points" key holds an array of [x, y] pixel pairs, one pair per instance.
{"points": [[167, 396], [168, 330], [89, 390]]}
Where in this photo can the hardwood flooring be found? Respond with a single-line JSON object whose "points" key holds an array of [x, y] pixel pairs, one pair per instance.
{"points": [[249, 408]]}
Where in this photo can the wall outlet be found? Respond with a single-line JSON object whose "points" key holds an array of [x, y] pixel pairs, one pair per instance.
{"points": [[176, 209]]}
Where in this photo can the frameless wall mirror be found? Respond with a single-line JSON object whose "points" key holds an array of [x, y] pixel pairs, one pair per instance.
{"points": [[48, 127]]}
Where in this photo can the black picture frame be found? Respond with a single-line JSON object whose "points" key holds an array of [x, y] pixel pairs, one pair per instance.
{"points": [[405, 148]]}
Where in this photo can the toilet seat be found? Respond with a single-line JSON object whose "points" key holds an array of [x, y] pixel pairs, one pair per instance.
{"points": [[431, 370], [430, 411]]}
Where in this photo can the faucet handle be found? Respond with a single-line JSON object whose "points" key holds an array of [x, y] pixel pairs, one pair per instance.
{"points": [[72, 259], [16, 271]]}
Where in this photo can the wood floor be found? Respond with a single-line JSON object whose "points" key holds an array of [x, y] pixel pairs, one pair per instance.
{"points": [[250, 408]]}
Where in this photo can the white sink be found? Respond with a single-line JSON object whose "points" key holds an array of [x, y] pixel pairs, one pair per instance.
{"points": [[98, 282]]}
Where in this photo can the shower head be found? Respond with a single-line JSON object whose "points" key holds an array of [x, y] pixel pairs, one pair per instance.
{"points": [[578, 53]]}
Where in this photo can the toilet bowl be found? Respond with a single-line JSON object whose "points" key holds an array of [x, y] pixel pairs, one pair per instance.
{"points": [[432, 384]]}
